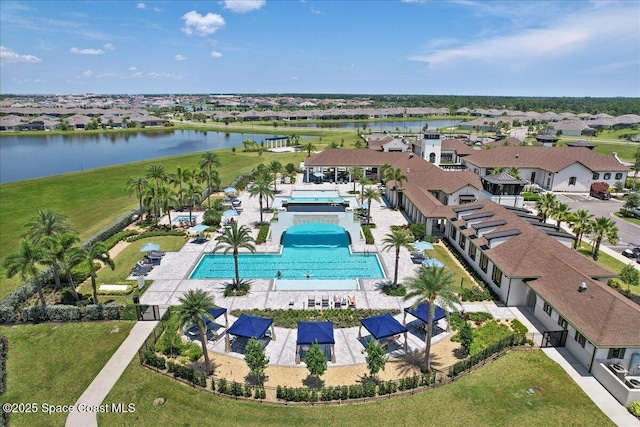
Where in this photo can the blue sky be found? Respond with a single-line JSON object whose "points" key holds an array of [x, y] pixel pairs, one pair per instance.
{"points": [[517, 48]]}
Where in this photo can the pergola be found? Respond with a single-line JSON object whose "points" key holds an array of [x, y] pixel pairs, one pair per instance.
{"points": [[249, 327], [383, 326], [421, 311], [315, 332]]}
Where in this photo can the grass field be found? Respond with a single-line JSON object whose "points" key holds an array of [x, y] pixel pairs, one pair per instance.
{"points": [[495, 395], [54, 363]]}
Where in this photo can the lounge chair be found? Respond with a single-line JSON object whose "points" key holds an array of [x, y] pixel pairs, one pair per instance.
{"points": [[351, 300], [337, 301], [325, 301], [311, 301]]}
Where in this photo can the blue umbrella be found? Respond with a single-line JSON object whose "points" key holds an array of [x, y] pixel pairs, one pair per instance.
{"points": [[364, 205], [150, 247], [432, 262], [198, 228], [230, 212], [421, 246], [230, 190]]}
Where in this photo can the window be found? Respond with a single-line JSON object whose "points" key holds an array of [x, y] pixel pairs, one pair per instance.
{"points": [[463, 241], [472, 251], [454, 232], [432, 157], [497, 276], [562, 322], [618, 175], [607, 175], [547, 308], [580, 338], [484, 262], [596, 175], [572, 180], [616, 353]]}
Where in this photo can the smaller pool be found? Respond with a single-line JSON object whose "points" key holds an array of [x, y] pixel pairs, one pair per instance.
{"points": [[185, 218], [313, 194]]}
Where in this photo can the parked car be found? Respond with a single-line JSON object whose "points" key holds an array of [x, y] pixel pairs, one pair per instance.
{"points": [[602, 195]]}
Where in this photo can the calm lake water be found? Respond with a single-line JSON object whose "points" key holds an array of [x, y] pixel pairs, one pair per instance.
{"points": [[28, 157]]}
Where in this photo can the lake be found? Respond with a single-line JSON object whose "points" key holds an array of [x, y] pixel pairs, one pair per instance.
{"points": [[27, 157]]}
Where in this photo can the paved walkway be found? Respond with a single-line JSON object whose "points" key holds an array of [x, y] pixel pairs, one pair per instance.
{"points": [[97, 391]]}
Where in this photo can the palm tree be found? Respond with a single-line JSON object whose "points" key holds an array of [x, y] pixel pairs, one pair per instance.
{"points": [[46, 224], [363, 180], [167, 198], [355, 173], [158, 174], [182, 176], [309, 147], [545, 205], [603, 228], [275, 167], [498, 170], [395, 240], [232, 239], [208, 162], [65, 249], [369, 194], [95, 252], [428, 284], [560, 212], [193, 309], [514, 172], [192, 196], [262, 188], [382, 172], [398, 178], [25, 263], [635, 166], [580, 222], [152, 201], [138, 186]]}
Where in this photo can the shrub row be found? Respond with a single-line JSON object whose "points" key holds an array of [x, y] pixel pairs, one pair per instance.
{"points": [[368, 236], [155, 233], [289, 318], [262, 234], [471, 361], [155, 361], [122, 235], [4, 348], [69, 313], [355, 391], [187, 373], [113, 228]]}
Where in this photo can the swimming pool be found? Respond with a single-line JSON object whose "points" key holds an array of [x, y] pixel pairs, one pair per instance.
{"points": [[322, 250], [184, 218]]}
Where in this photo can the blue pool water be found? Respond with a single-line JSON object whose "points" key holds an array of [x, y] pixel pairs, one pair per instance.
{"points": [[185, 218], [320, 249]]}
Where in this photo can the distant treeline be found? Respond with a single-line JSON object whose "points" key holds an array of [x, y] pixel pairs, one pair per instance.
{"points": [[577, 105]]}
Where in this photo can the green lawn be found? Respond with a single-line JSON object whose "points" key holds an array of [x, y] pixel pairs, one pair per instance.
{"points": [[440, 252], [495, 395], [54, 363], [635, 221]]}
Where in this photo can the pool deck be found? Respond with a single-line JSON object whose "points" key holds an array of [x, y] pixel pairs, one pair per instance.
{"points": [[170, 282]]}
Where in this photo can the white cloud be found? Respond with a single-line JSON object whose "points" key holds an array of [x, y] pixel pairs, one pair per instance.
{"points": [[88, 73], [133, 68], [8, 56], [107, 75], [244, 6], [109, 46], [157, 9], [201, 25], [77, 51], [142, 6], [216, 54], [562, 38], [164, 74], [179, 57]]}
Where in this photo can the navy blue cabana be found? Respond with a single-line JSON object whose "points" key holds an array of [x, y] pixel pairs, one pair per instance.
{"points": [[315, 332], [216, 312], [250, 327], [421, 311], [383, 326]]}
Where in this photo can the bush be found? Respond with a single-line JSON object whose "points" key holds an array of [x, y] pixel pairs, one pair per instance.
{"points": [[193, 351], [518, 327], [368, 237], [262, 234], [634, 408], [212, 218], [398, 291], [242, 289], [530, 197], [475, 293], [418, 230]]}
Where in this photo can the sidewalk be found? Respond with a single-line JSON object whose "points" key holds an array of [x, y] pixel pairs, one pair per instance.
{"points": [[97, 391]]}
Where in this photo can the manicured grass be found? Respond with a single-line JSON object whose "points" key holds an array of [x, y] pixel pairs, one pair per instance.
{"points": [[635, 221], [604, 259], [54, 363], [94, 198], [495, 395], [462, 278]]}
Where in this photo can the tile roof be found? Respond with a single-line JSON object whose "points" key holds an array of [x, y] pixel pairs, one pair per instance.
{"points": [[552, 159]]}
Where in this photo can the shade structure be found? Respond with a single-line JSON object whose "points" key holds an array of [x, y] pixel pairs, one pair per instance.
{"points": [[250, 327], [421, 246], [198, 228], [319, 175], [230, 213], [230, 190], [421, 311], [432, 262], [383, 326], [364, 205], [315, 332], [150, 247]]}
